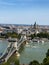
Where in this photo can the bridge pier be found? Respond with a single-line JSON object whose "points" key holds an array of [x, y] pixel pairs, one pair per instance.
{"points": [[17, 54], [15, 46], [27, 42]]}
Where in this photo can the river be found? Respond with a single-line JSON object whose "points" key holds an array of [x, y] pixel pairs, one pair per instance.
{"points": [[32, 51]]}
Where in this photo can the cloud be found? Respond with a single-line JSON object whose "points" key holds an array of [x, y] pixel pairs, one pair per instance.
{"points": [[6, 3], [15, 2], [24, 3]]}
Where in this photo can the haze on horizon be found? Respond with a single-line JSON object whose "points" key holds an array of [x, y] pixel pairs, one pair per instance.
{"points": [[24, 12]]}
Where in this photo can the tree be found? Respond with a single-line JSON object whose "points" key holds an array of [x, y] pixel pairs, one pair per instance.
{"points": [[34, 63], [47, 63], [47, 54], [17, 62], [45, 60]]}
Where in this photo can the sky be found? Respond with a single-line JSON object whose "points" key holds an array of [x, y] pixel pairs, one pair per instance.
{"points": [[24, 12]]}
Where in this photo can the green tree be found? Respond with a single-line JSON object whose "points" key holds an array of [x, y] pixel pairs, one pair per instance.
{"points": [[32, 36], [34, 63], [45, 60], [17, 62], [47, 63], [47, 54]]}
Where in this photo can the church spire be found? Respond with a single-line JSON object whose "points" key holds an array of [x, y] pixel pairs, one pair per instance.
{"points": [[35, 25]]}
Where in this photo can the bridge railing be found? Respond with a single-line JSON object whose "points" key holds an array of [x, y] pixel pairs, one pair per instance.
{"points": [[20, 43], [9, 55]]}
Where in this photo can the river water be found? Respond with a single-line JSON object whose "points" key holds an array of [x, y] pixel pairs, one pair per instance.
{"points": [[3, 45], [32, 51]]}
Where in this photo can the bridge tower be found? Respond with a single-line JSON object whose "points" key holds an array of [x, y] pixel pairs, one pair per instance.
{"points": [[15, 46], [25, 37]]}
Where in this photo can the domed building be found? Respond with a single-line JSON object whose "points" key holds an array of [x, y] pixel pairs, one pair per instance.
{"points": [[34, 28]]}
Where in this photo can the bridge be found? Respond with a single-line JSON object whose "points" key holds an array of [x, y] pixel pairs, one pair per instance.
{"points": [[11, 48]]}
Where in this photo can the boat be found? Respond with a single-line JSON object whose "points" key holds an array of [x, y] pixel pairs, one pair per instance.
{"points": [[34, 46], [27, 45], [35, 41], [41, 41]]}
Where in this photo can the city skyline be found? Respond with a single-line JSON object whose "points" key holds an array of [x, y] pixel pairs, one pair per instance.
{"points": [[24, 12]]}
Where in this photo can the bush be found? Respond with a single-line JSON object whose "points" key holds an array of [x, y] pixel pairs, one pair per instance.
{"points": [[34, 63], [45, 60], [47, 54], [17, 62]]}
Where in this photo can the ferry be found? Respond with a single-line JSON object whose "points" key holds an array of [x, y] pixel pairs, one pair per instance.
{"points": [[35, 41]]}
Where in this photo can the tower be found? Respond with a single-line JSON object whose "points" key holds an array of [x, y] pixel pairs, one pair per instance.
{"points": [[15, 45], [35, 26]]}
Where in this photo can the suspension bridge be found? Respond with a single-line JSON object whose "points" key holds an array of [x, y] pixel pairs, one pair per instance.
{"points": [[11, 48]]}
